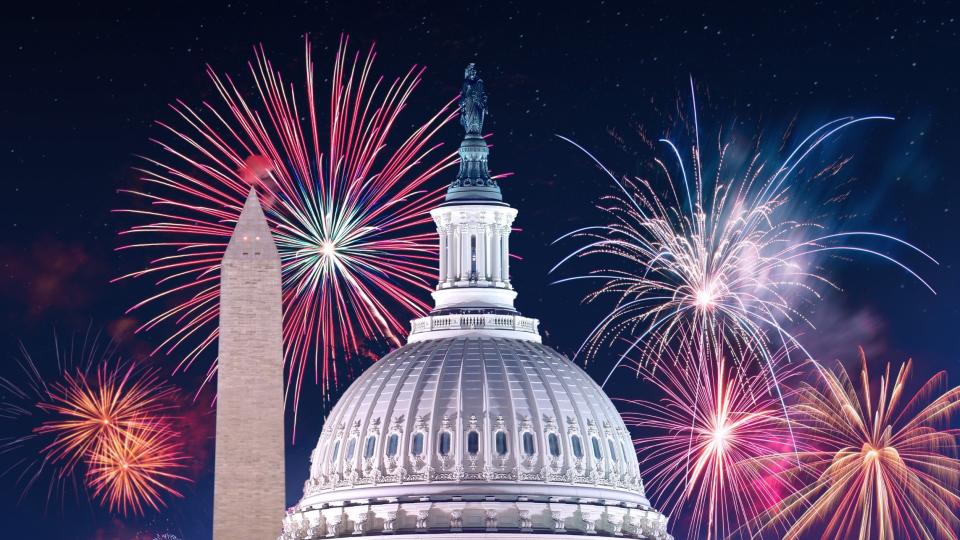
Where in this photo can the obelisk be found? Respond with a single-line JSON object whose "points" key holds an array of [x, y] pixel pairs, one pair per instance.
{"points": [[249, 495]]}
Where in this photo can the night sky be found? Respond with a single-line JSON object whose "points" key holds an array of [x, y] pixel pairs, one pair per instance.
{"points": [[83, 86]]}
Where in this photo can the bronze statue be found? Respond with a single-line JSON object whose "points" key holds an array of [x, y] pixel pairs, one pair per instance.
{"points": [[473, 101]]}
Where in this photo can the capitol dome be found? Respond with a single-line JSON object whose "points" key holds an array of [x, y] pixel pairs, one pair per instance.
{"points": [[474, 427]]}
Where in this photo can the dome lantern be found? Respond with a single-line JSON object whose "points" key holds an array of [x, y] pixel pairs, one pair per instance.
{"points": [[474, 293]]}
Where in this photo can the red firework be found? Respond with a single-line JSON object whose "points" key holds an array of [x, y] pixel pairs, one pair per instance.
{"points": [[347, 205]]}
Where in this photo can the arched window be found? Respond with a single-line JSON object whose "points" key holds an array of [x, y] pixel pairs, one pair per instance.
{"points": [[501, 443], [528, 447], [473, 442], [393, 441], [473, 256], [336, 451], [444, 445], [553, 442], [577, 446], [596, 448], [613, 450], [351, 448], [416, 448], [370, 446]]}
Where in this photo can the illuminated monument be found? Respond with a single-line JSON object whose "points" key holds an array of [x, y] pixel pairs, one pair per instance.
{"points": [[248, 497], [474, 428]]}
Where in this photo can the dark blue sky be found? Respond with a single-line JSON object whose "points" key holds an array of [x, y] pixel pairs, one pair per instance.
{"points": [[82, 86]]}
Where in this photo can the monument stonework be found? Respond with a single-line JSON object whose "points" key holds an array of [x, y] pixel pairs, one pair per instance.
{"points": [[249, 483]]}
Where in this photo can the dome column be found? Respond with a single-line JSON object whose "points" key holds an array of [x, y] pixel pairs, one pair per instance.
{"points": [[443, 255], [488, 247], [482, 252], [451, 254], [495, 264], [464, 254], [455, 253], [505, 255]]}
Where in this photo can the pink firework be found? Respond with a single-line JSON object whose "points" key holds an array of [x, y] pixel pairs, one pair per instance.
{"points": [[705, 446], [347, 203]]}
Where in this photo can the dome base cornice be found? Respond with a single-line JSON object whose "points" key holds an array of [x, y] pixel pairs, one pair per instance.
{"points": [[480, 519]]}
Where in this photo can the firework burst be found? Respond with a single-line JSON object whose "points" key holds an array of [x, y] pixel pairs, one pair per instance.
{"points": [[699, 444], [347, 205], [717, 252], [881, 465], [91, 408], [71, 414], [134, 468]]}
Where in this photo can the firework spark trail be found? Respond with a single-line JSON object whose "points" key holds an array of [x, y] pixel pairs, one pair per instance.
{"points": [[77, 410], [348, 212], [881, 465], [699, 444], [719, 253]]}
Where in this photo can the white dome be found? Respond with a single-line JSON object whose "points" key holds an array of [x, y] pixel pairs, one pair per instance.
{"points": [[473, 433]]}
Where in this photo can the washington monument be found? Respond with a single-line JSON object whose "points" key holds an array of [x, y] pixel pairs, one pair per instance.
{"points": [[249, 494]]}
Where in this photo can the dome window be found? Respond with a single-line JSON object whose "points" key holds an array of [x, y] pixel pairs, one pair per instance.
{"points": [[613, 450], [336, 452], [473, 257], [577, 446], [444, 443], [351, 448], [370, 446], [417, 447], [501, 443], [473, 443], [393, 441], [597, 454], [553, 442], [528, 447]]}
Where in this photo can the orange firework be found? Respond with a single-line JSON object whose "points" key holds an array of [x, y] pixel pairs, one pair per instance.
{"points": [[133, 468], [884, 466], [90, 410], [93, 423]]}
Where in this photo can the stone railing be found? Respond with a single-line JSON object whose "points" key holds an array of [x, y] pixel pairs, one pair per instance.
{"points": [[474, 321]]}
